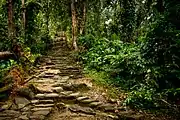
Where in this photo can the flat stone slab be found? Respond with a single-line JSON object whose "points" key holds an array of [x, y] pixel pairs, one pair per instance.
{"points": [[52, 71], [42, 109], [75, 94], [5, 118], [95, 104], [88, 101], [44, 112], [65, 77], [44, 105], [21, 102], [44, 89], [42, 101], [58, 84], [57, 89], [9, 113], [40, 96], [23, 117], [82, 98], [37, 117], [66, 93], [86, 110], [51, 95]]}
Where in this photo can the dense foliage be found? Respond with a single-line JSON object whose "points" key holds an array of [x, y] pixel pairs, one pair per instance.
{"points": [[135, 43], [138, 47]]}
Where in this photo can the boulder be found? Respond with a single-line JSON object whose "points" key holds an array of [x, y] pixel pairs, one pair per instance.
{"points": [[21, 102], [26, 92]]}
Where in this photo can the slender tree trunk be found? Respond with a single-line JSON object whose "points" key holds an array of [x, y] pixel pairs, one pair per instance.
{"points": [[11, 31], [47, 18], [23, 18], [74, 25], [82, 27]]}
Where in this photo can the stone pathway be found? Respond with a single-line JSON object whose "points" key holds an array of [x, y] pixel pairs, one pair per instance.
{"points": [[52, 96]]}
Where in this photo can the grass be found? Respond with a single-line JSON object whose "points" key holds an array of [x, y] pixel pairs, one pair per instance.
{"points": [[103, 80]]}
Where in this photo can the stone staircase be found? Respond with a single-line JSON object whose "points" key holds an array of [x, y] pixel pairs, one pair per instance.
{"points": [[54, 97]]}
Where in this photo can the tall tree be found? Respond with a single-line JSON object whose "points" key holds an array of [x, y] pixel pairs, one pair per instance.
{"points": [[74, 25], [83, 18], [23, 17], [11, 30]]}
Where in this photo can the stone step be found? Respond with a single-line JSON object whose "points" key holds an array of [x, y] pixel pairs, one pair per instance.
{"points": [[43, 105], [88, 101], [44, 81], [6, 118], [9, 113], [47, 95], [82, 98], [46, 76], [41, 109], [95, 104], [57, 89], [42, 101]]}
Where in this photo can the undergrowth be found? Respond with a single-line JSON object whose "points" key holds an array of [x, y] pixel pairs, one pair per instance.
{"points": [[122, 65]]}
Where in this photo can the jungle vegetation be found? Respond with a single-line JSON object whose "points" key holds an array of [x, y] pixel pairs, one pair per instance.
{"points": [[135, 44]]}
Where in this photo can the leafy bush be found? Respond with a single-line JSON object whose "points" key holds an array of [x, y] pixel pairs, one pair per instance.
{"points": [[128, 68]]}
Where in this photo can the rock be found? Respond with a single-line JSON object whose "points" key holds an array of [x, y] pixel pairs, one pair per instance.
{"points": [[110, 109], [46, 76], [44, 105], [23, 117], [40, 96], [130, 116], [26, 113], [74, 95], [5, 118], [26, 92], [66, 93], [81, 86], [65, 78], [86, 110], [42, 101], [113, 117], [57, 89], [42, 109], [112, 100], [82, 98], [87, 101], [34, 101], [51, 71], [57, 84], [14, 107], [75, 87], [33, 88], [68, 87], [45, 113], [44, 89], [25, 109], [10, 113], [95, 104], [5, 107], [106, 106], [21, 102], [51, 95], [61, 106], [37, 117]]}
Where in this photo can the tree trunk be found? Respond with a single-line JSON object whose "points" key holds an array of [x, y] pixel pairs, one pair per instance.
{"points": [[74, 25], [23, 18], [47, 17], [6, 55], [82, 27], [11, 30]]}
